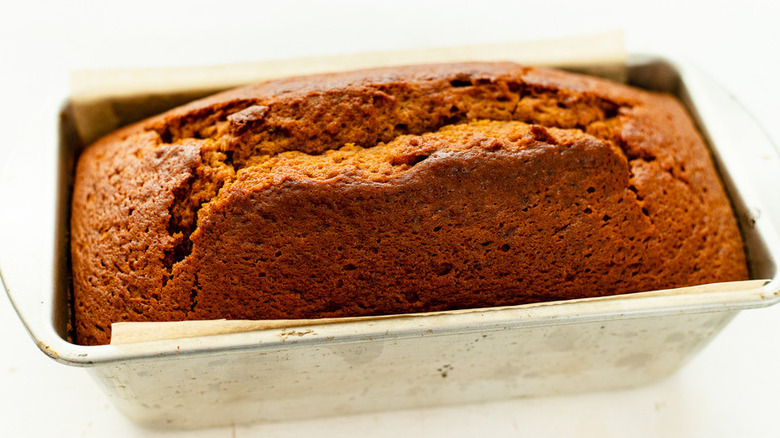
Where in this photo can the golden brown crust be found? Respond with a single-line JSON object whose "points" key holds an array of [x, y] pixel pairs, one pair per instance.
{"points": [[396, 190]]}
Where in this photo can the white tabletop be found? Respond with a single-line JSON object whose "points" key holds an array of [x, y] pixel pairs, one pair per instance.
{"points": [[732, 388]]}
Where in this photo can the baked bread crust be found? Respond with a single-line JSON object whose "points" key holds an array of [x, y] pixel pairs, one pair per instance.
{"points": [[396, 190]]}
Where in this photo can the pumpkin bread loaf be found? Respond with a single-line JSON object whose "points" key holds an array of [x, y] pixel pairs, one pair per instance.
{"points": [[396, 190]]}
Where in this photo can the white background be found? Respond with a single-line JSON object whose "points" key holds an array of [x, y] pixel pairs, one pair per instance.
{"points": [[731, 389]]}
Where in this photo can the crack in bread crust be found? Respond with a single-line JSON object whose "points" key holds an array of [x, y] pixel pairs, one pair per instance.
{"points": [[245, 134]]}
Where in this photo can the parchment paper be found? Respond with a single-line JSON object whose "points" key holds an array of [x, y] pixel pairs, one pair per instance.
{"points": [[130, 332]]}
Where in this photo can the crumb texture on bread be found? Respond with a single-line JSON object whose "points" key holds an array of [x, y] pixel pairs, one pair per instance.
{"points": [[396, 190]]}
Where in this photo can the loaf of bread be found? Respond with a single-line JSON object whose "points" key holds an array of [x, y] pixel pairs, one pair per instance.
{"points": [[396, 190]]}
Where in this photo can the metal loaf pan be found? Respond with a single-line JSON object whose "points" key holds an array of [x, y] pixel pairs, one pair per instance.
{"points": [[356, 367]]}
